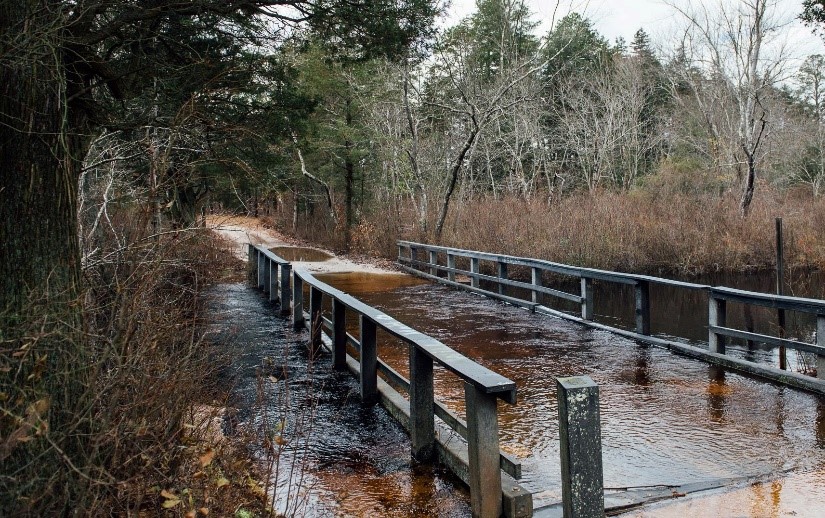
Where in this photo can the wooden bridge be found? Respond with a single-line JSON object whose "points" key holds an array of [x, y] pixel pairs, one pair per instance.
{"points": [[491, 474]]}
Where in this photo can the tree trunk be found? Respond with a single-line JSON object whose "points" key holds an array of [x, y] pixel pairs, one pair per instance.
{"points": [[349, 180]]}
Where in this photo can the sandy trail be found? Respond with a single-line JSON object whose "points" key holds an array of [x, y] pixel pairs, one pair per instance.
{"points": [[242, 230]]}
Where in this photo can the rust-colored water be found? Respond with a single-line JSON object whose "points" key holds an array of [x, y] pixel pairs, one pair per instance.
{"points": [[301, 254], [666, 419]]}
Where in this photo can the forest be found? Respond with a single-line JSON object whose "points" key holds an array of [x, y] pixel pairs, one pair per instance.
{"points": [[349, 123]]}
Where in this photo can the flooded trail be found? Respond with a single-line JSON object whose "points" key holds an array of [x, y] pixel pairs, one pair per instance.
{"points": [[331, 456], [666, 419]]}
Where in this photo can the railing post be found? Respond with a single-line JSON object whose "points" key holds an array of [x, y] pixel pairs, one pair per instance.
{"points": [[535, 279], [820, 341], [587, 298], [286, 271], [315, 323], [422, 423], [483, 452], [717, 316], [339, 335], [582, 482], [413, 256], [267, 277], [298, 303], [260, 270], [400, 252], [273, 281], [369, 362], [433, 261], [451, 264], [474, 270], [252, 264], [502, 274], [643, 307]]}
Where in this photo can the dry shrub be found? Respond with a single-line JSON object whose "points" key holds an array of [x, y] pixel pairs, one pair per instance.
{"points": [[106, 416]]}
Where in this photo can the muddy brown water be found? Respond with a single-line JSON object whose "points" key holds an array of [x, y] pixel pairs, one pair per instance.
{"points": [[300, 254], [666, 419]]}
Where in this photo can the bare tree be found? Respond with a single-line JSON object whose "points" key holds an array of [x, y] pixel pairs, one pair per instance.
{"points": [[738, 45]]}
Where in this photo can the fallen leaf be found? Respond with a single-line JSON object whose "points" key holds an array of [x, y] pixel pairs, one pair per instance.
{"points": [[172, 502], [222, 482], [190, 514], [204, 511], [206, 458]]}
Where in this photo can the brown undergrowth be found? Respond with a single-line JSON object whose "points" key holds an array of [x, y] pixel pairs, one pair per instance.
{"points": [[641, 231], [122, 415]]}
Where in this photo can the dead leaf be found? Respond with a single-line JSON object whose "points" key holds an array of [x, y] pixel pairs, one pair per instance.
{"points": [[204, 511], [190, 514], [168, 494], [206, 458], [172, 502], [221, 482]]}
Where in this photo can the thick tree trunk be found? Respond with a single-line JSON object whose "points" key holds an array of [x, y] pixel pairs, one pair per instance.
{"points": [[349, 180]]}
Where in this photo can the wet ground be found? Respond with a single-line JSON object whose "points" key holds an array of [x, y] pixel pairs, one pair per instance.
{"points": [[327, 455], [665, 419]]}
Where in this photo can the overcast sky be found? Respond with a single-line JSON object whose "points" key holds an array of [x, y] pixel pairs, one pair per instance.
{"points": [[614, 18]]}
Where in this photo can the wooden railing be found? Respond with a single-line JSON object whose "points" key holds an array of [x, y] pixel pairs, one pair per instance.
{"points": [[422, 260], [482, 387]]}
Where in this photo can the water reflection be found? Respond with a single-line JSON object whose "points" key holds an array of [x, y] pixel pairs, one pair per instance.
{"points": [[717, 393], [300, 253]]}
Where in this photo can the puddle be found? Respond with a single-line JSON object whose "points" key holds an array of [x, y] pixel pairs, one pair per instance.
{"points": [[363, 282], [301, 254]]}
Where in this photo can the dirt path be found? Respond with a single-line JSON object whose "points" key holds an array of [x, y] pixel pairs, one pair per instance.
{"points": [[242, 230]]}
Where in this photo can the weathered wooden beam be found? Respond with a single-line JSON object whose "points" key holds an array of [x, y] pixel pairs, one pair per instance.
{"points": [[642, 290], [369, 362], [587, 298], [474, 271], [582, 481], [483, 453], [717, 317], [434, 262], [273, 281], [502, 274], [286, 275], [315, 299], [820, 340], [451, 266], [298, 303], [422, 423], [535, 279], [339, 335]]}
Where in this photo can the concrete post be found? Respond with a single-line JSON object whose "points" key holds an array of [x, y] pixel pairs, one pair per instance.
{"points": [[717, 316], [535, 275], [433, 261], [483, 452], [339, 335], [273, 281], [369, 362], [820, 341], [451, 264], [422, 423], [643, 307], [286, 274], [315, 323], [582, 482], [298, 303], [502, 274], [474, 269], [587, 298]]}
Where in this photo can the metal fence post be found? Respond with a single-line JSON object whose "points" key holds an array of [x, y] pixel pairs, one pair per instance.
{"points": [[369, 362], [474, 270], [483, 452], [642, 307], [582, 482], [298, 303], [422, 423], [339, 335], [502, 274], [587, 298], [717, 317], [820, 341], [315, 323], [286, 274]]}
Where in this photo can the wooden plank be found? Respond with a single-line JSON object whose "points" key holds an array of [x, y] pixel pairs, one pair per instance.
{"points": [[770, 300], [767, 339], [422, 424], [516, 284], [642, 291], [298, 322], [587, 298], [368, 375], [483, 453], [717, 317], [339, 335], [286, 276]]}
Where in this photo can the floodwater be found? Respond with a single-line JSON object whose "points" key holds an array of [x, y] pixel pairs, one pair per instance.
{"points": [[300, 254], [666, 419], [329, 455]]}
